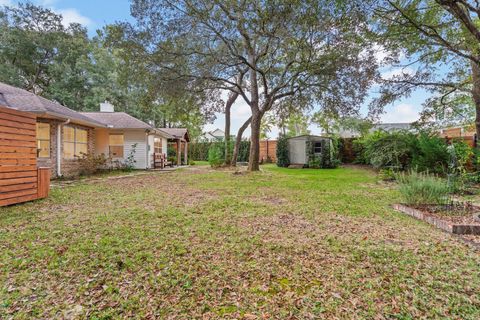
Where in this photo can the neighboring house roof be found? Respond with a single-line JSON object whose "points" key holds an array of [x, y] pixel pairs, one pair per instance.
{"points": [[118, 120], [217, 133], [349, 133], [23, 100], [214, 135], [392, 126], [177, 133]]}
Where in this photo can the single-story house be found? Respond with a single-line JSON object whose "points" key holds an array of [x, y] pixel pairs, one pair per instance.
{"points": [[61, 133], [64, 135], [125, 135], [301, 148]]}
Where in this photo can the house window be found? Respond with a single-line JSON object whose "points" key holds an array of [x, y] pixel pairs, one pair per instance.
{"points": [[115, 145], [43, 140], [75, 142], [317, 148], [157, 145]]}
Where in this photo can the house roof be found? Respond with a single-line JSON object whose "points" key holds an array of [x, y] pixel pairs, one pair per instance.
{"points": [[217, 133], [392, 126], [177, 133], [118, 120], [23, 100]]}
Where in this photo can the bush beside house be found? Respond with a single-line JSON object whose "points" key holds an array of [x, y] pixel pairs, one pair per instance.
{"points": [[282, 152], [404, 150]]}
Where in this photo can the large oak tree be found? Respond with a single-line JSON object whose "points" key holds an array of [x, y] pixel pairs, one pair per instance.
{"points": [[288, 47]]}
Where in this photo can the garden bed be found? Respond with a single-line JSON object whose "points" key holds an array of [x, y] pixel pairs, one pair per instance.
{"points": [[455, 220]]}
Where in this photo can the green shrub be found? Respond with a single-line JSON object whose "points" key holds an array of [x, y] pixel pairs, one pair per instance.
{"points": [[382, 149], [402, 150], [423, 189], [215, 155], [429, 153], [329, 158], [90, 163], [315, 162], [460, 154], [282, 152], [199, 150], [130, 160], [387, 174]]}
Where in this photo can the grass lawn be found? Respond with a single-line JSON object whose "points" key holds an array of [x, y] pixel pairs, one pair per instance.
{"points": [[198, 243]]}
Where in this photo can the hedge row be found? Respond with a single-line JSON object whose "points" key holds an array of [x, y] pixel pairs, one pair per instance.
{"points": [[198, 151]]}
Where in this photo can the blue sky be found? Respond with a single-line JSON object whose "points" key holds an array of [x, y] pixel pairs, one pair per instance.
{"points": [[95, 14]]}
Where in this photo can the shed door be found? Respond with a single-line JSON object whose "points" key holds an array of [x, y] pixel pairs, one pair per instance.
{"points": [[297, 151]]}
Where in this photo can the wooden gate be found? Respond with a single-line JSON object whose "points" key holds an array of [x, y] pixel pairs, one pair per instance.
{"points": [[20, 179]]}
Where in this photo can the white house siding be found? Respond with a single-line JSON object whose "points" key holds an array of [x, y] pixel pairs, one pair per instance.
{"points": [[151, 149], [165, 146], [138, 137], [297, 150], [130, 137]]}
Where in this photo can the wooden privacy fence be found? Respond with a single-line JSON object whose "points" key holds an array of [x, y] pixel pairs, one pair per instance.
{"points": [[268, 150], [20, 179]]}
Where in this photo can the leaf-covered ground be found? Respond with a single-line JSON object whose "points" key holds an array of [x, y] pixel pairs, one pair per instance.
{"points": [[198, 243]]}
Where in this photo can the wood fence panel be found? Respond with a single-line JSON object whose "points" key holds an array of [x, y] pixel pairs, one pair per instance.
{"points": [[20, 179], [43, 182], [268, 150]]}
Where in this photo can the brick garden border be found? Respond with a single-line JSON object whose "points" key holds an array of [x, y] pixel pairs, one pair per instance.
{"points": [[441, 224]]}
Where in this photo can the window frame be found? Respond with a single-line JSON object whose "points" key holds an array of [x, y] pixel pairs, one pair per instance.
{"points": [[48, 140], [75, 142], [116, 145], [315, 147]]}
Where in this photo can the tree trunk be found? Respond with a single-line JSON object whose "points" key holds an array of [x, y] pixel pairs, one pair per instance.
{"points": [[228, 107], [238, 141], [254, 159], [476, 95]]}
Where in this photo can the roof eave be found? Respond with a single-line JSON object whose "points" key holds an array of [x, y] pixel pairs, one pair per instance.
{"points": [[59, 116]]}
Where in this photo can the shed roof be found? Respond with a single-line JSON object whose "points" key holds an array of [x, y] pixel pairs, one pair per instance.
{"points": [[310, 136], [23, 100]]}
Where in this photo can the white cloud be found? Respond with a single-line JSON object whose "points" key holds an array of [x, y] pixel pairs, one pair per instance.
{"points": [[72, 15], [400, 113], [241, 110], [380, 53], [389, 74], [69, 15]]}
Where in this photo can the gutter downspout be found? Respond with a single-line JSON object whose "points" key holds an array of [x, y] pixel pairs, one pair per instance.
{"points": [[147, 145], [59, 146]]}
